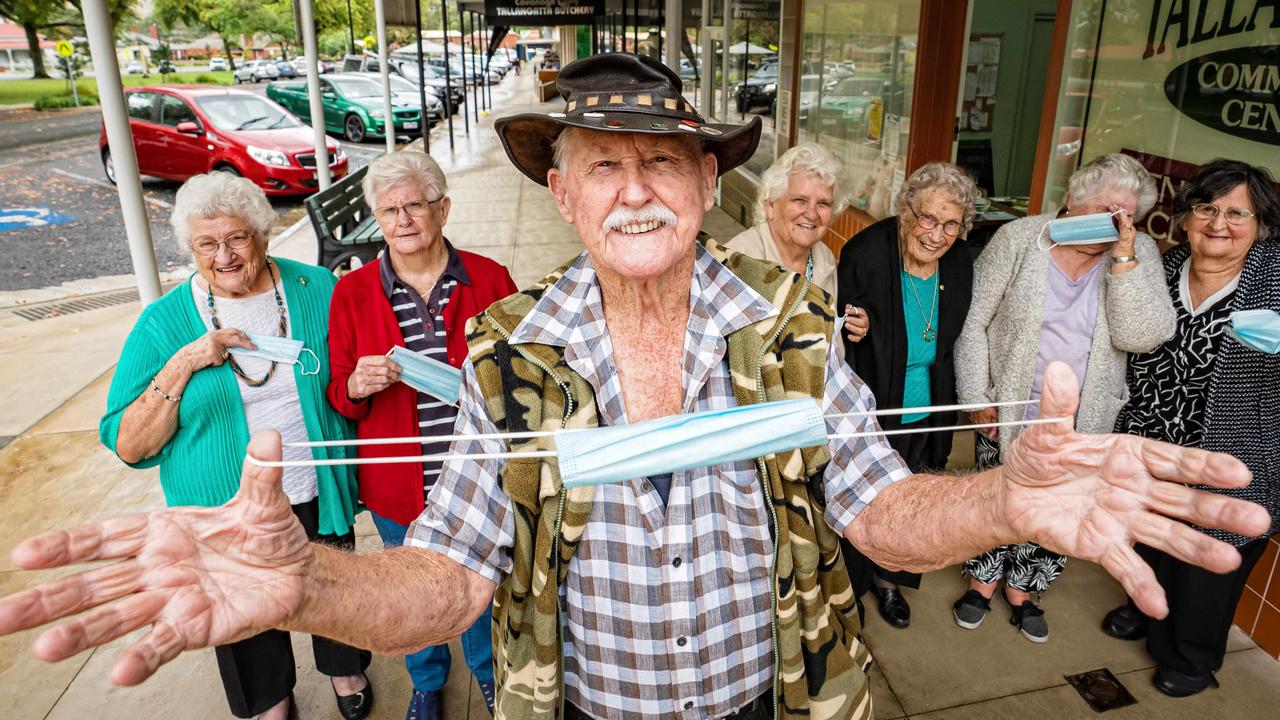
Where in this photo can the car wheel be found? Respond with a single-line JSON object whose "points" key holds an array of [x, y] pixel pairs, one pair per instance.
{"points": [[230, 170], [235, 79], [354, 129], [255, 79], [742, 106], [108, 165]]}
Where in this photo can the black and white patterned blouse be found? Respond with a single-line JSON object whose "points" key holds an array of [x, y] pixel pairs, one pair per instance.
{"points": [[1169, 386]]}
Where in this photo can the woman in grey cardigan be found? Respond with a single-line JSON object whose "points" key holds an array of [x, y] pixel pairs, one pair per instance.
{"points": [[1087, 305]]}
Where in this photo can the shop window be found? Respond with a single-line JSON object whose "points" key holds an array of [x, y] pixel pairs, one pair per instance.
{"points": [[1173, 87], [857, 77]]}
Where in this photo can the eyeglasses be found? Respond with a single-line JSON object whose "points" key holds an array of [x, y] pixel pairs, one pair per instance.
{"points": [[950, 228], [210, 246], [1208, 211], [415, 209]]}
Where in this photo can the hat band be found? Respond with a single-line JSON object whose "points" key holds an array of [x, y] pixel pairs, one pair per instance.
{"points": [[648, 103]]}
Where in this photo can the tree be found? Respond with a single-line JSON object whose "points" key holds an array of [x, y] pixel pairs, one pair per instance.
{"points": [[33, 15]]}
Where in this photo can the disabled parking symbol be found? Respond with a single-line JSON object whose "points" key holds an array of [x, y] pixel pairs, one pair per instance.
{"points": [[21, 218]]}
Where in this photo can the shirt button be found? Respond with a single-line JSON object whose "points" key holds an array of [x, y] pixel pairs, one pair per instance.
{"points": [[682, 641], [688, 705], [677, 562], [645, 486]]}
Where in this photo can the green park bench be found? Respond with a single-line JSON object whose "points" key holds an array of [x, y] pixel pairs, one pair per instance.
{"points": [[345, 228]]}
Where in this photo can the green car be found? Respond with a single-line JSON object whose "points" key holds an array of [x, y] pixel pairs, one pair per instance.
{"points": [[352, 106], [846, 104]]}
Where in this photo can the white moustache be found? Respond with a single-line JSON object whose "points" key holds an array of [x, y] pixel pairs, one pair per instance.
{"points": [[650, 217]]}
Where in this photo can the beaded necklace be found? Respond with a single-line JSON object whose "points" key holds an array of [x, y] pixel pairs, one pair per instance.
{"points": [[284, 331]]}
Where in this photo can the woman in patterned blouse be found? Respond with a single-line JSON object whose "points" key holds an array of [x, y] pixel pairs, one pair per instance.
{"points": [[1201, 390]]}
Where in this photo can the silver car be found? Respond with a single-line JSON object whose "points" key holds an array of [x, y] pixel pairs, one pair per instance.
{"points": [[255, 71]]}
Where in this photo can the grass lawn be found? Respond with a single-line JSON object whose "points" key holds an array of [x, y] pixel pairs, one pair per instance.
{"points": [[16, 92]]}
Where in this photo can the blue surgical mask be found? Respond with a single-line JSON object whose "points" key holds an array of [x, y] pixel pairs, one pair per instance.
{"points": [[278, 349], [1082, 229], [437, 379], [1257, 329], [681, 442]]}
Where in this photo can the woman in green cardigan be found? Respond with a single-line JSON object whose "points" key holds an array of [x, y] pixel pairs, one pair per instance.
{"points": [[192, 386]]}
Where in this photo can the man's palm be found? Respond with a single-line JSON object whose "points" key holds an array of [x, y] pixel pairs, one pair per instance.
{"points": [[1094, 496], [199, 577]]}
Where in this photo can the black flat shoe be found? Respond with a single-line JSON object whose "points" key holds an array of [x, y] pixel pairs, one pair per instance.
{"points": [[1176, 684], [893, 607], [1125, 623], [356, 706]]}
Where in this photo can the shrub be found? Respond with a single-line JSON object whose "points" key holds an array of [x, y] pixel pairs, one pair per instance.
{"points": [[207, 79], [58, 102]]}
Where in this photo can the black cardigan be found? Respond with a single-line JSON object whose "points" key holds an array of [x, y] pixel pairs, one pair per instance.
{"points": [[869, 277]]}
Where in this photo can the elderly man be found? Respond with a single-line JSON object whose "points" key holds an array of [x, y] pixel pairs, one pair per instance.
{"points": [[708, 593]]}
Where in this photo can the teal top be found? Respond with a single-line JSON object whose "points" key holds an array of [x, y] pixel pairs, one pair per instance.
{"points": [[201, 463], [918, 293]]}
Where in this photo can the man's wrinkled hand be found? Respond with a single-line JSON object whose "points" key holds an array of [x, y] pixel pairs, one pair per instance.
{"points": [[197, 576], [1094, 496]]}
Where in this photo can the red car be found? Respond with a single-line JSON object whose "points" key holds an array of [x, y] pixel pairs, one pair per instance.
{"points": [[185, 130]]}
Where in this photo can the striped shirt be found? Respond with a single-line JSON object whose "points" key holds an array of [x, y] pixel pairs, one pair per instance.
{"points": [[666, 605], [422, 326]]}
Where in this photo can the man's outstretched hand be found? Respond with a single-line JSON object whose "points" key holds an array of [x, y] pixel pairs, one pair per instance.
{"points": [[198, 576], [1094, 496]]}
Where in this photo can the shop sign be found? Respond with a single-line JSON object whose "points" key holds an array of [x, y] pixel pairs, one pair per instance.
{"points": [[1235, 91], [542, 12]]}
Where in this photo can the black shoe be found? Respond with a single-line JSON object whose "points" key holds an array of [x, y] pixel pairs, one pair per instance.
{"points": [[1029, 619], [356, 706], [1125, 623], [893, 607], [1176, 684]]}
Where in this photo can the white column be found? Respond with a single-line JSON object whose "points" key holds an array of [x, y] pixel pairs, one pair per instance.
{"points": [[674, 12], [386, 79], [102, 48], [313, 92]]}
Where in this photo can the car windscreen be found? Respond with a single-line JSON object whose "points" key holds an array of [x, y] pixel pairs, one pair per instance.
{"points": [[245, 112], [356, 87], [767, 72]]}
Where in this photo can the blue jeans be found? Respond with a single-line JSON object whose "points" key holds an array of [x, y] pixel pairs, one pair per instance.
{"points": [[429, 667]]}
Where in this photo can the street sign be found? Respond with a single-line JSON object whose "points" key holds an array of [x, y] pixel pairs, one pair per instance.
{"points": [[65, 49]]}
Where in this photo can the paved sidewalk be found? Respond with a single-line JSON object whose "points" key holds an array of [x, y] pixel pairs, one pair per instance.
{"points": [[53, 472]]}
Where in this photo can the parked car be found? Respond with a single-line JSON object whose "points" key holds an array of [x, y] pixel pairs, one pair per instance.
{"points": [[846, 104], [285, 69], [405, 92], [407, 68], [184, 130], [352, 106], [166, 68], [761, 89], [255, 71], [810, 85], [133, 68], [217, 63], [688, 70]]}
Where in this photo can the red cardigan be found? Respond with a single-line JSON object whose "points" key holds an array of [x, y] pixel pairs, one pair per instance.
{"points": [[361, 322]]}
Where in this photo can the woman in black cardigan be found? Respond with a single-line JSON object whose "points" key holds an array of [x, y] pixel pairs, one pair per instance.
{"points": [[1205, 389], [905, 294]]}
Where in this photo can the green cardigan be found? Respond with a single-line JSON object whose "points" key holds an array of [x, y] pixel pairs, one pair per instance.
{"points": [[201, 463]]}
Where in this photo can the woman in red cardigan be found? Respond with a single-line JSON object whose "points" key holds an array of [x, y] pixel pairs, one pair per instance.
{"points": [[419, 295]]}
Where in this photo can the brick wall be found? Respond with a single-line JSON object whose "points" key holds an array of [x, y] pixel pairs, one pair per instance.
{"points": [[1258, 614]]}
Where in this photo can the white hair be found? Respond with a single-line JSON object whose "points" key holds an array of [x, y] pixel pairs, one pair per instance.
{"points": [[943, 176], [405, 166], [805, 157], [559, 146], [221, 194], [1107, 173]]}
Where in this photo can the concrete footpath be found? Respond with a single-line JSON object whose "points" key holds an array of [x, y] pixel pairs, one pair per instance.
{"points": [[53, 472]]}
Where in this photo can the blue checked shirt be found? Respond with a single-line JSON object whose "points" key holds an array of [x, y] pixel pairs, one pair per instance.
{"points": [[667, 605]]}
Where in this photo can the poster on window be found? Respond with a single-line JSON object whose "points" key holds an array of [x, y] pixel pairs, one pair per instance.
{"points": [[1184, 82]]}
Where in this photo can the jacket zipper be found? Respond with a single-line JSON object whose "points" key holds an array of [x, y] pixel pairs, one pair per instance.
{"points": [[768, 497], [555, 537]]}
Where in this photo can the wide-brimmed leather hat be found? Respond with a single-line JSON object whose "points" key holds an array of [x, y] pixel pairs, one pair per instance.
{"points": [[620, 92]]}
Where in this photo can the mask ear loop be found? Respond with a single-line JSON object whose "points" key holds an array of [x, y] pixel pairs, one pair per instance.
{"points": [[1047, 246], [304, 365]]}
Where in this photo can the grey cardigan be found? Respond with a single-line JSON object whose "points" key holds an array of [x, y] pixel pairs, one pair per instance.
{"points": [[997, 350]]}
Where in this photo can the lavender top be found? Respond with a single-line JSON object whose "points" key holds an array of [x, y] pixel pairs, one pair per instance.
{"points": [[1066, 332]]}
